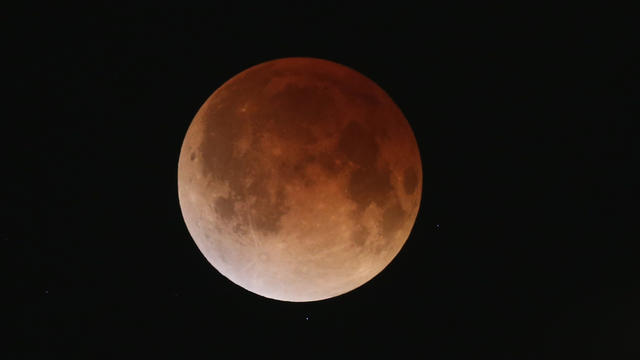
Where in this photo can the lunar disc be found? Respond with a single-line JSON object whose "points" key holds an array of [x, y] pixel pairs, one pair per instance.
{"points": [[299, 179]]}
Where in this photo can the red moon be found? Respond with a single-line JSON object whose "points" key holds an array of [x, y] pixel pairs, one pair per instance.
{"points": [[299, 179]]}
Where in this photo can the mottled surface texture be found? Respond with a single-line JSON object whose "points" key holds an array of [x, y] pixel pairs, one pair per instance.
{"points": [[299, 179]]}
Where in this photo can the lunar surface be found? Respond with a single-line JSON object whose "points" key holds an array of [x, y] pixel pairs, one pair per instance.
{"points": [[299, 179]]}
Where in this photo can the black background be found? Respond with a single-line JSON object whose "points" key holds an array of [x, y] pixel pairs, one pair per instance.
{"points": [[522, 246]]}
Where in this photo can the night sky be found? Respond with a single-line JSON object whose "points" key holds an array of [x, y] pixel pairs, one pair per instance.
{"points": [[522, 248]]}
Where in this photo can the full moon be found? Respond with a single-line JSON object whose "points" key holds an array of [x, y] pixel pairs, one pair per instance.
{"points": [[299, 179]]}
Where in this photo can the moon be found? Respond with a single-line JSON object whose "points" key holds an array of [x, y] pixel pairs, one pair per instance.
{"points": [[299, 179]]}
